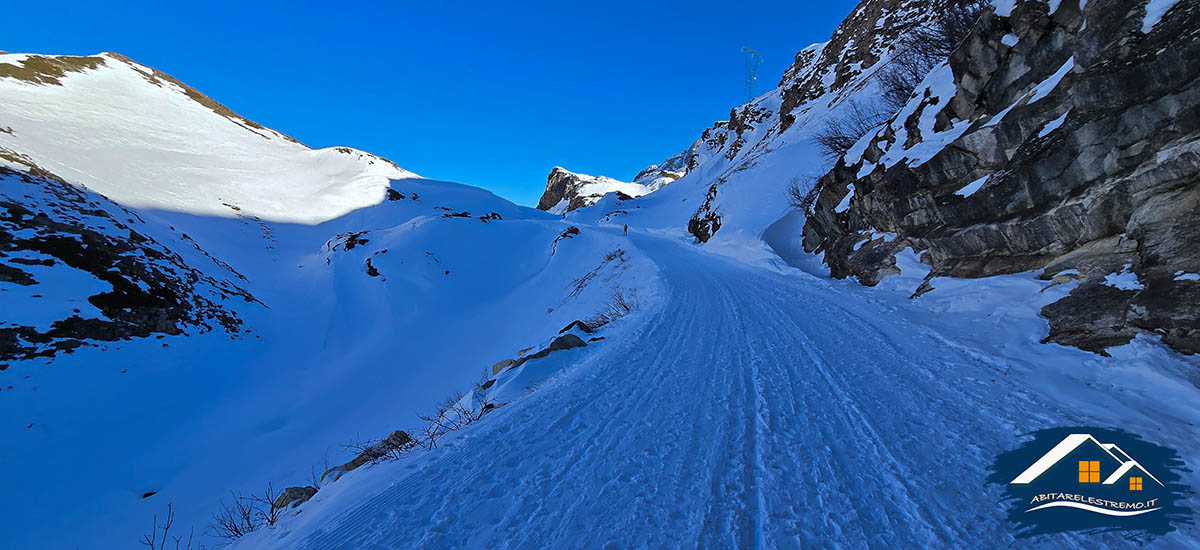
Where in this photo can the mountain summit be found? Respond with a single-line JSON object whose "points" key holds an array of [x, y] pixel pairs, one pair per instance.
{"points": [[146, 140]]}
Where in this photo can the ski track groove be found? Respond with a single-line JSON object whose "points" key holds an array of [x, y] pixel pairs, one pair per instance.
{"points": [[751, 411]]}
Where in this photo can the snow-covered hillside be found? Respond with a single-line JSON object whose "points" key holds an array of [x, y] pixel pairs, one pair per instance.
{"points": [[146, 140], [239, 328], [223, 308]]}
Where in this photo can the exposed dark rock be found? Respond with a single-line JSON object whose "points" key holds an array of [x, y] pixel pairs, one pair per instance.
{"points": [[564, 342], [394, 195], [502, 365], [577, 324], [568, 233], [707, 219], [1114, 184], [564, 185], [293, 497], [348, 241], [398, 440], [560, 184], [153, 290]]}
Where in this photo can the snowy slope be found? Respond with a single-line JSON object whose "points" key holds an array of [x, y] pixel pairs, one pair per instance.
{"points": [[349, 341], [755, 408], [146, 140], [733, 197], [375, 295], [745, 403]]}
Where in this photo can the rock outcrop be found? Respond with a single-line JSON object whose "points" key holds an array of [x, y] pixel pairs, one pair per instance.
{"points": [[821, 80], [567, 190], [294, 496], [48, 227], [397, 441], [1056, 137]]}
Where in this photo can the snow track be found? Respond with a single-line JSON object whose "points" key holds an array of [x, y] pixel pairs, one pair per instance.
{"points": [[752, 410]]}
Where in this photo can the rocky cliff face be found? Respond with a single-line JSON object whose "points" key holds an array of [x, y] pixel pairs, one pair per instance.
{"points": [[567, 190], [1058, 137]]}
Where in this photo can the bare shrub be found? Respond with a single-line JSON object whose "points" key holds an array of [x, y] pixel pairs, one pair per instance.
{"points": [[450, 415], [264, 506], [620, 304], [615, 257], [923, 48], [315, 478], [235, 519], [802, 196], [160, 535], [369, 452], [244, 514], [840, 134]]}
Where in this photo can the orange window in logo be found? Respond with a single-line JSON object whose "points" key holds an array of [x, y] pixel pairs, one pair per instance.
{"points": [[1135, 484], [1089, 471]]}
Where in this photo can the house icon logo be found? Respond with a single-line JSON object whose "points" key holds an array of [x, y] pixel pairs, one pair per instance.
{"points": [[1112, 465], [1092, 480]]}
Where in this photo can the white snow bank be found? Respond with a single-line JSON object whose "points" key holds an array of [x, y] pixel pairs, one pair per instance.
{"points": [[1124, 279], [972, 187], [1155, 11], [1053, 125]]}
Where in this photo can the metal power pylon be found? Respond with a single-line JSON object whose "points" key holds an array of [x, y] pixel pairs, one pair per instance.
{"points": [[753, 59]]}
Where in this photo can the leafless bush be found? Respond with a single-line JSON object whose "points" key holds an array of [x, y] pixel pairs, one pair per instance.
{"points": [[924, 47], [802, 196], [264, 506], [161, 534], [615, 257], [368, 452], [235, 519], [620, 304], [314, 477], [450, 415], [840, 134], [614, 254], [244, 514]]}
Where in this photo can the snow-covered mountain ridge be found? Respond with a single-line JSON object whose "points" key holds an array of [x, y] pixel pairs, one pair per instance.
{"points": [[119, 127]]}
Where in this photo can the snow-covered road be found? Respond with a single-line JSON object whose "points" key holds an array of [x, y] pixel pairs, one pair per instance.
{"points": [[752, 409]]}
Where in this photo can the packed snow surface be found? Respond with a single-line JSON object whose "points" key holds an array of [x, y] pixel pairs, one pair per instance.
{"points": [[759, 408]]}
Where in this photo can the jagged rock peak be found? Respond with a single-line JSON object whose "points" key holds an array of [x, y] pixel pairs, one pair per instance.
{"points": [[567, 190]]}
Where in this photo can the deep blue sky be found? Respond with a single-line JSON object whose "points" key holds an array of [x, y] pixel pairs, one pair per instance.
{"points": [[482, 93]]}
